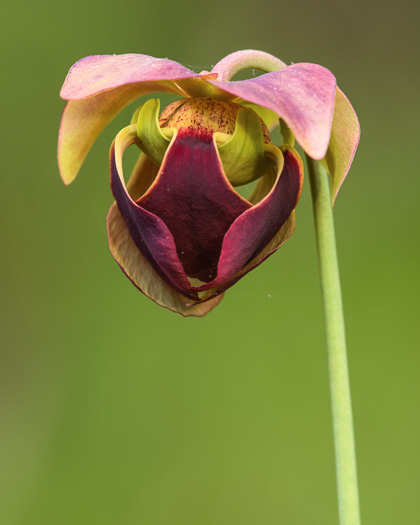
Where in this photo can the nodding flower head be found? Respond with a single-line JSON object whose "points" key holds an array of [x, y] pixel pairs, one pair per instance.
{"points": [[178, 228]]}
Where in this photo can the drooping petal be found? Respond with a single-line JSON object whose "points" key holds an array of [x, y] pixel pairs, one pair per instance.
{"points": [[345, 135], [256, 227], [150, 234], [141, 273], [98, 88], [94, 74], [194, 199], [301, 94]]}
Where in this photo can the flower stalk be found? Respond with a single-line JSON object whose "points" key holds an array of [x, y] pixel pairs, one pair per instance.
{"points": [[348, 498]]}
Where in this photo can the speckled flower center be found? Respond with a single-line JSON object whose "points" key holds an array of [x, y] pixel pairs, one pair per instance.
{"points": [[203, 116]]}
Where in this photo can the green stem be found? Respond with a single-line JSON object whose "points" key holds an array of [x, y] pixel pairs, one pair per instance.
{"points": [[345, 456]]}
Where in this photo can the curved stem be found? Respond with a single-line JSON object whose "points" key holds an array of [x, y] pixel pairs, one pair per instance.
{"points": [[348, 498]]}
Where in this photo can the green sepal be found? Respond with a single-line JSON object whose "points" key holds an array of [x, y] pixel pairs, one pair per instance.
{"points": [[288, 137], [135, 116], [154, 140], [242, 154], [270, 119]]}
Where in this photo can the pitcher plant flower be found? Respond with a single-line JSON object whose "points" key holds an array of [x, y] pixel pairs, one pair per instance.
{"points": [[179, 229]]}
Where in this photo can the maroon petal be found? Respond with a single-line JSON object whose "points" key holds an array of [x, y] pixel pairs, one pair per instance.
{"points": [[141, 273], [276, 242], [257, 226], [196, 202], [150, 234]]}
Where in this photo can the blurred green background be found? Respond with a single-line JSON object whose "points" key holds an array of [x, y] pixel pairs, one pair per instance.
{"points": [[117, 412]]}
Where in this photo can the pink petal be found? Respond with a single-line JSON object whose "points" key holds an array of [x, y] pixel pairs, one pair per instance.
{"points": [[98, 88], [93, 74], [301, 94]]}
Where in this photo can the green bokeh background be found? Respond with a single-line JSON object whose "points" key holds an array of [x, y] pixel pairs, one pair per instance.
{"points": [[117, 412]]}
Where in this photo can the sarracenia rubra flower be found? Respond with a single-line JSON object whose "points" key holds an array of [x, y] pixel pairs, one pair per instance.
{"points": [[178, 229]]}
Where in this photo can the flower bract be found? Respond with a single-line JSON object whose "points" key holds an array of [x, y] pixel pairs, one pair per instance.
{"points": [[178, 228]]}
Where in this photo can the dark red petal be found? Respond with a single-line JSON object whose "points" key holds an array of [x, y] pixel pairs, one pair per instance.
{"points": [[143, 276], [255, 228], [151, 235], [276, 242], [196, 202]]}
